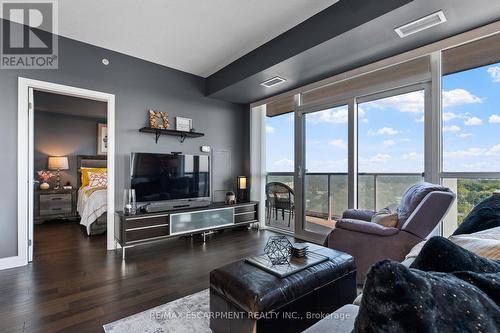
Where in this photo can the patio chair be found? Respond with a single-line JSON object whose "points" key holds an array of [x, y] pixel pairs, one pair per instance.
{"points": [[279, 196], [421, 209]]}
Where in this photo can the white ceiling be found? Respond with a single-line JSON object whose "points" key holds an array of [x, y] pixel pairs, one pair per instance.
{"points": [[195, 36]]}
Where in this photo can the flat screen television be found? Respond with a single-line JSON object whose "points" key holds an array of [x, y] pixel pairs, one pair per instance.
{"points": [[166, 177]]}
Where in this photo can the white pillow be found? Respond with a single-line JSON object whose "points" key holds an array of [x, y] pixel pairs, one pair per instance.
{"points": [[485, 243]]}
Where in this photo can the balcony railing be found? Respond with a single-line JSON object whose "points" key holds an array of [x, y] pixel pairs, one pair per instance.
{"points": [[327, 193]]}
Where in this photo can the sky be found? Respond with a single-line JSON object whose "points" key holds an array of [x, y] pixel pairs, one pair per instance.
{"points": [[391, 131]]}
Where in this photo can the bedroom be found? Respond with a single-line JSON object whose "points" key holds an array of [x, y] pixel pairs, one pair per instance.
{"points": [[70, 172]]}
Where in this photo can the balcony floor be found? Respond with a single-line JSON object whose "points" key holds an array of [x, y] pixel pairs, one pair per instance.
{"points": [[314, 224]]}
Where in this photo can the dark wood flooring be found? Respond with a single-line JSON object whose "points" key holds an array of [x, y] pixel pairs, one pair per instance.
{"points": [[75, 285]]}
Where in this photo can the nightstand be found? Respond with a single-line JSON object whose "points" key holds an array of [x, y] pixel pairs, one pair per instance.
{"points": [[55, 204]]}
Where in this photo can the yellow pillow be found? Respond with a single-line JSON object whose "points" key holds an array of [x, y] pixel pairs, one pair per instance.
{"points": [[85, 174]]}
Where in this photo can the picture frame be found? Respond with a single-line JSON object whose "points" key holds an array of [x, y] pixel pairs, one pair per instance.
{"points": [[159, 119], [183, 124], [102, 139]]}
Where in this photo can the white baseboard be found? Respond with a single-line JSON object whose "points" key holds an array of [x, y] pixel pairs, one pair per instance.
{"points": [[11, 262]]}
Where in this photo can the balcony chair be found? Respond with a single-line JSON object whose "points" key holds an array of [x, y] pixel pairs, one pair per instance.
{"points": [[422, 207], [279, 196]]}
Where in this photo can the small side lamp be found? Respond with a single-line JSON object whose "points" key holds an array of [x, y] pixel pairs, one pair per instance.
{"points": [[58, 163], [242, 186]]}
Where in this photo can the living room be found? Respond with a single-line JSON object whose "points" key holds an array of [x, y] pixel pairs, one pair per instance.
{"points": [[280, 165]]}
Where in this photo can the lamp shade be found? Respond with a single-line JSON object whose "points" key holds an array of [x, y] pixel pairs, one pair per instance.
{"points": [[58, 163], [242, 183]]}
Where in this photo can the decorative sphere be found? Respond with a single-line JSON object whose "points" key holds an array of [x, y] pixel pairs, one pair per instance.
{"points": [[278, 249]]}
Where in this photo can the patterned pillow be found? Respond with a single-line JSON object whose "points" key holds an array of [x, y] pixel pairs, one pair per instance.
{"points": [[98, 179], [85, 174]]}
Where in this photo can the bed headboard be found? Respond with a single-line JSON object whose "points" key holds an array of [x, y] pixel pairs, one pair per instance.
{"points": [[89, 161]]}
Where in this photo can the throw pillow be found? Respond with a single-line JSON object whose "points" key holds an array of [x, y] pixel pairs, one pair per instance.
{"points": [[441, 255], [85, 174], [485, 243], [485, 215], [385, 218], [399, 299], [98, 179]]}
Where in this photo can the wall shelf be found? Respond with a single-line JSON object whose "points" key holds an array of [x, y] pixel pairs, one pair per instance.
{"points": [[181, 134]]}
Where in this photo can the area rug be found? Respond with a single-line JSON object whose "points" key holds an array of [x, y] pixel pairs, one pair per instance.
{"points": [[184, 315]]}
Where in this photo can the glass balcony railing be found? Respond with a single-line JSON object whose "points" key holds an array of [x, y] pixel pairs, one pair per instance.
{"points": [[327, 194]]}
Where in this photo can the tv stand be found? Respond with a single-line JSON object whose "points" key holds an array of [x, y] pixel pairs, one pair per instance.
{"points": [[144, 228]]}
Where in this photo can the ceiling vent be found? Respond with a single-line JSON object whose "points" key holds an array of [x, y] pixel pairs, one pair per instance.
{"points": [[421, 24], [274, 81]]}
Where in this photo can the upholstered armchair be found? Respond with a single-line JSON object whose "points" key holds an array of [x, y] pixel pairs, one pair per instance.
{"points": [[422, 207]]}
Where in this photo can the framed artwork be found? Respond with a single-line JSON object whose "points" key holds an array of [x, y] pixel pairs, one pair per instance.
{"points": [[102, 139], [183, 124], [158, 119]]}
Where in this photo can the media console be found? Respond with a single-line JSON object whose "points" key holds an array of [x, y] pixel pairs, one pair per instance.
{"points": [[143, 228]]}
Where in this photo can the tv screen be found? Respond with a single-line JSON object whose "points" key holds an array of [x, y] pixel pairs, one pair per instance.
{"points": [[161, 177]]}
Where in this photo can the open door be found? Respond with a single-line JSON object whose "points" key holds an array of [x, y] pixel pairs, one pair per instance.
{"points": [[31, 180]]}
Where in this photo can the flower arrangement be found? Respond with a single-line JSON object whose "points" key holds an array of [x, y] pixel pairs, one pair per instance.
{"points": [[44, 176]]}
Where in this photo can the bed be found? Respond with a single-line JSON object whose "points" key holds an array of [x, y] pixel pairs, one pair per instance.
{"points": [[91, 202]]}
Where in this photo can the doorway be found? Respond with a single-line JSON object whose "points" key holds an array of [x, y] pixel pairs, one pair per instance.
{"points": [[29, 203]]}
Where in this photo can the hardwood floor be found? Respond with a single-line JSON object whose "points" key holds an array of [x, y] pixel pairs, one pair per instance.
{"points": [[75, 285]]}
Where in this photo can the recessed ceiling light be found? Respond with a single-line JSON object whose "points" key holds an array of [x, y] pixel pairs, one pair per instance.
{"points": [[421, 24], [274, 81], [105, 61]]}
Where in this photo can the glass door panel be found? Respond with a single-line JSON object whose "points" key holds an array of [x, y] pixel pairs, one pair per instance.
{"points": [[325, 176], [390, 148], [280, 195], [471, 145]]}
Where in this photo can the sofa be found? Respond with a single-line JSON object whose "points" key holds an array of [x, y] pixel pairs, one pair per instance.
{"points": [[484, 243]]}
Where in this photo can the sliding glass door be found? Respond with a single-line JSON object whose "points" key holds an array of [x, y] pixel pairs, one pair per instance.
{"points": [[390, 146], [279, 187], [361, 152], [325, 176], [321, 180]]}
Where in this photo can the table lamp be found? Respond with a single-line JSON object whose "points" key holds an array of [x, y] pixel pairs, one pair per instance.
{"points": [[242, 185], [58, 163]]}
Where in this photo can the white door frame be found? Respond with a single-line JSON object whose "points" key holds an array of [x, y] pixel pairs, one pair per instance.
{"points": [[25, 167]]}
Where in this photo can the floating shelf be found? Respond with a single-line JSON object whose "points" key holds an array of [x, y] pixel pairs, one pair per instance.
{"points": [[181, 134]]}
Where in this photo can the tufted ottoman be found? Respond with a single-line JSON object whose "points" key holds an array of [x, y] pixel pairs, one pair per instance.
{"points": [[245, 298]]}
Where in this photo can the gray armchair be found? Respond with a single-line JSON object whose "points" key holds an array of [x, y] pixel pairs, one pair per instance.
{"points": [[422, 207]]}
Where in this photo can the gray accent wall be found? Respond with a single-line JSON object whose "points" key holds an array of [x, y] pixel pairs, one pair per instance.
{"points": [[138, 86], [63, 135]]}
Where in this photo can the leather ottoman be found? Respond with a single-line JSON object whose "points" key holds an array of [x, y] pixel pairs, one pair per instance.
{"points": [[245, 298]]}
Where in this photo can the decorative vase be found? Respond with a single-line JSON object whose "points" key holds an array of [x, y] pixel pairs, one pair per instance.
{"points": [[44, 186], [129, 203]]}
